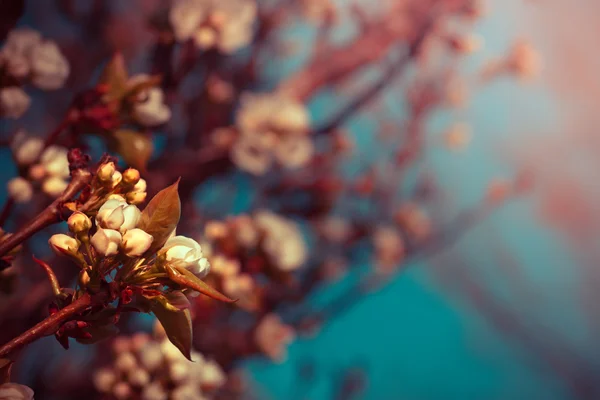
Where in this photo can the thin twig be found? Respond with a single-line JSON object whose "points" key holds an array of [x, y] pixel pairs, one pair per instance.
{"points": [[51, 215]]}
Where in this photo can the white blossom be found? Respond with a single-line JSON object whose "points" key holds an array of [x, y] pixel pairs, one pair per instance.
{"points": [[20, 190], [212, 375], [104, 379], [63, 243], [272, 128], [294, 151], [223, 24], [187, 252], [15, 55], [106, 241], [26, 149], [118, 215], [283, 240], [15, 391], [136, 242], [55, 161], [272, 336], [149, 108], [154, 391], [54, 186], [49, 67], [122, 391], [251, 154], [13, 102]]}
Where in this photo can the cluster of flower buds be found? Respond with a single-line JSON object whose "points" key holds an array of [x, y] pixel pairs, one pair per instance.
{"points": [[225, 25], [151, 368], [272, 129], [242, 246], [27, 57], [40, 166], [150, 268]]}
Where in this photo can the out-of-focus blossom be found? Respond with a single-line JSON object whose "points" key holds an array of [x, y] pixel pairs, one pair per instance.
{"points": [[272, 337], [49, 67], [226, 25], [318, 11], [149, 108], [154, 369], [283, 241], [187, 253], [52, 170], [414, 221], [524, 60], [15, 391], [20, 190], [13, 102], [273, 128], [334, 229], [458, 136], [389, 246]]}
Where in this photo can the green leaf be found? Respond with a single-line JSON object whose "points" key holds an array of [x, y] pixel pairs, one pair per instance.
{"points": [[5, 370], [185, 278], [115, 77], [161, 216], [177, 324], [135, 147]]}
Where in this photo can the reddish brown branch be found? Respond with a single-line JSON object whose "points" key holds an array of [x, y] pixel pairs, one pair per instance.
{"points": [[51, 215], [48, 326]]}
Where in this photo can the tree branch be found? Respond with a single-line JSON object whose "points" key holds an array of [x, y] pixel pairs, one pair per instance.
{"points": [[48, 326], [80, 178]]}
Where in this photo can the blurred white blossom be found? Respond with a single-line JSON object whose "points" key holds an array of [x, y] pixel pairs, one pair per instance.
{"points": [[272, 129], [283, 241], [226, 25], [13, 102], [149, 108], [152, 368], [26, 54], [20, 190], [272, 337], [15, 391]]}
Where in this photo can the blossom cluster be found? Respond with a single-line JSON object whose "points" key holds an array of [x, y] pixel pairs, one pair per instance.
{"points": [[226, 25], [245, 245], [152, 368], [273, 130], [41, 165], [27, 57]]}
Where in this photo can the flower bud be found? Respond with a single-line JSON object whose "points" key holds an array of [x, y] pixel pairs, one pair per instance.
{"points": [[131, 176], [118, 197], [118, 215], [136, 242], [84, 278], [106, 241], [78, 222], [116, 179], [140, 186], [135, 198], [20, 190], [62, 243], [106, 171]]}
